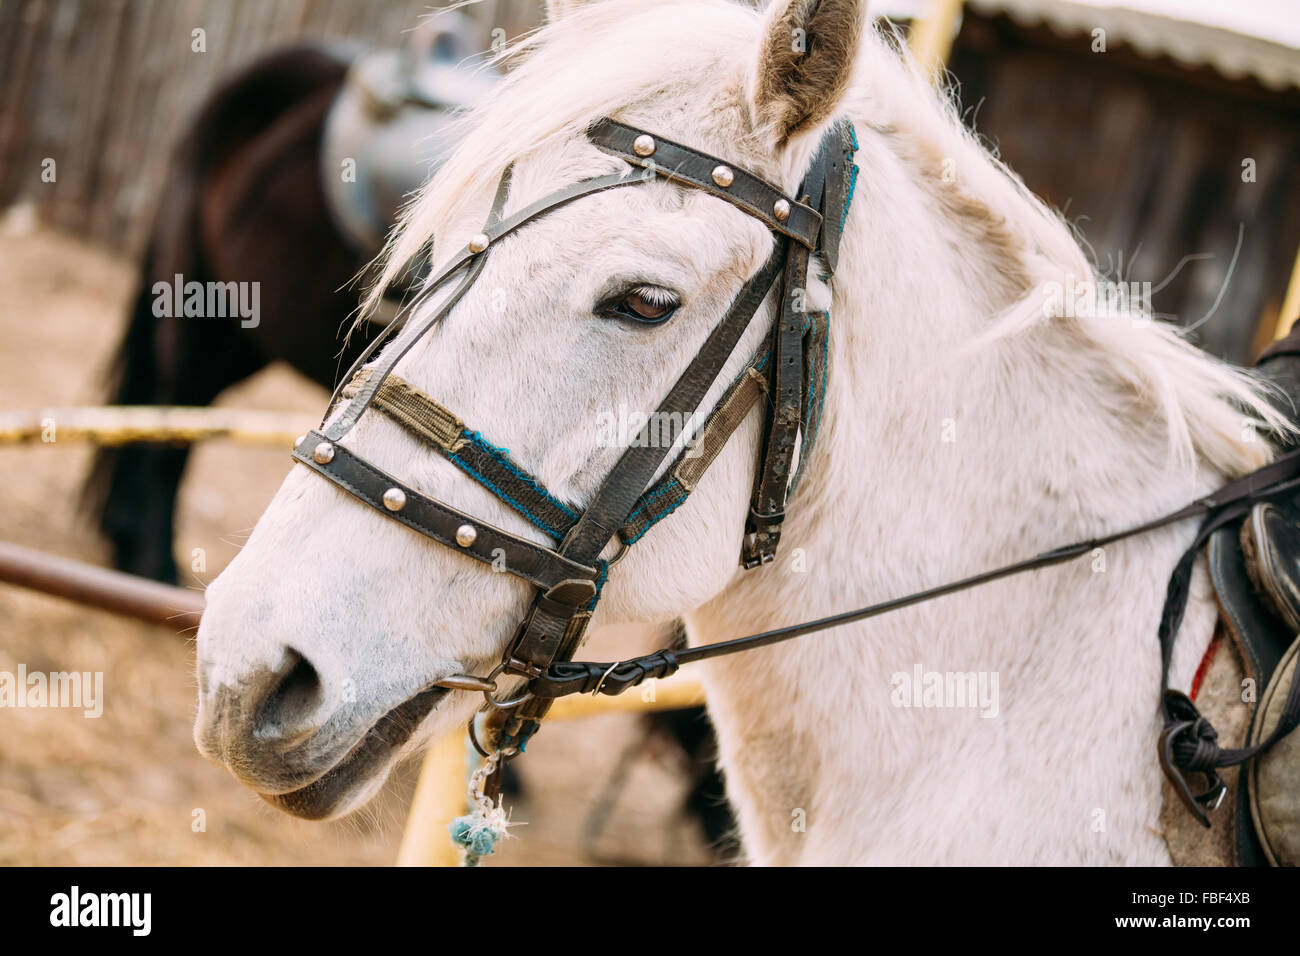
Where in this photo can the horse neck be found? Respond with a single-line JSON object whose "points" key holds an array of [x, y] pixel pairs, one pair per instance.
{"points": [[933, 463]]}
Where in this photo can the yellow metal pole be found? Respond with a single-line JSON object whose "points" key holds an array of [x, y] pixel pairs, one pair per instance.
{"points": [[932, 36], [121, 424], [1291, 304], [440, 797]]}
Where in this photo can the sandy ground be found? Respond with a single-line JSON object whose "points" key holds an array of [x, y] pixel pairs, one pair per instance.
{"points": [[129, 787]]}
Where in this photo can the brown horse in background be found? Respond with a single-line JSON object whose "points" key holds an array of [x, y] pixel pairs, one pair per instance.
{"points": [[243, 203]]}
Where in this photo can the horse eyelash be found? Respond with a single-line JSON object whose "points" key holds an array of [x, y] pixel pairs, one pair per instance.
{"points": [[655, 295]]}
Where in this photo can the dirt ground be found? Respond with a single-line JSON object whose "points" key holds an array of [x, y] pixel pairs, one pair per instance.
{"points": [[125, 788]]}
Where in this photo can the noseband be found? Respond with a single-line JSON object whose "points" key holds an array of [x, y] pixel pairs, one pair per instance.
{"points": [[789, 372]]}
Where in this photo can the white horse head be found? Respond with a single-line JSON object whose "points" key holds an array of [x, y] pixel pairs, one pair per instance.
{"points": [[965, 426]]}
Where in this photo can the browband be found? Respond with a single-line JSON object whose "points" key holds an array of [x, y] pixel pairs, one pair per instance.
{"points": [[681, 164]]}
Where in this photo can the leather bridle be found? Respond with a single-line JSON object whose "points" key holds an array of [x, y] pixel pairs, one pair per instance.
{"points": [[569, 576], [789, 371]]}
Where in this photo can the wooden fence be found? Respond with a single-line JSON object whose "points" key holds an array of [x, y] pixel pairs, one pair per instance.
{"points": [[104, 88], [1145, 154]]}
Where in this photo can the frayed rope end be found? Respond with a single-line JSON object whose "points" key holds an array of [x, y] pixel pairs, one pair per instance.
{"points": [[479, 832]]}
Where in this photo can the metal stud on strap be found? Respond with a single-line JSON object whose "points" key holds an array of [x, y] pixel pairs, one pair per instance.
{"points": [[743, 189]]}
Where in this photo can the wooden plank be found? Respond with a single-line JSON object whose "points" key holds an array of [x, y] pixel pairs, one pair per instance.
{"points": [[18, 136], [106, 87]]}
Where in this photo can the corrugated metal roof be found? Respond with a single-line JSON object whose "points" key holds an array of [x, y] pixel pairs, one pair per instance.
{"points": [[1237, 38]]}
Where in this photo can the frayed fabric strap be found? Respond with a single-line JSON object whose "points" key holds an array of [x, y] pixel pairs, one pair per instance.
{"points": [[413, 410], [490, 466], [667, 494]]}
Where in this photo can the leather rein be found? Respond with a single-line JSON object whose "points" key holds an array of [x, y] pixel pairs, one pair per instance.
{"points": [[789, 372]]}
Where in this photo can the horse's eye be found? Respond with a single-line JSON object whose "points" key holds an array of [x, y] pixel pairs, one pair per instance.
{"points": [[647, 304]]}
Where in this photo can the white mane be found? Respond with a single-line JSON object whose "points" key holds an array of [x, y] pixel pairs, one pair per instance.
{"points": [[563, 81]]}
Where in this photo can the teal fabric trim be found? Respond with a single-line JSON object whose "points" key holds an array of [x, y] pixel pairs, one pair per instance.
{"points": [[492, 487], [502, 456], [600, 584], [853, 177], [669, 510], [648, 502], [816, 399]]}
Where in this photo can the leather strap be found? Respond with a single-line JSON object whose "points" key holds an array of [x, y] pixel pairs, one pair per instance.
{"points": [[667, 494], [440, 522], [682, 164], [617, 496], [351, 413], [464, 259], [816, 373], [1279, 478], [772, 482], [836, 157]]}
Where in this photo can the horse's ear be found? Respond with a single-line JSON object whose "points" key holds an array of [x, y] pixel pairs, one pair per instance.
{"points": [[805, 64]]}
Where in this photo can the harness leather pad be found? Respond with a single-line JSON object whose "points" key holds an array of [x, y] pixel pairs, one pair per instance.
{"points": [[1253, 564], [1270, 541], [1260, 640]]}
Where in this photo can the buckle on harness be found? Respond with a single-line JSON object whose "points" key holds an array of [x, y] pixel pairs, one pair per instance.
{"points": [[751, 556], [1184, 718], [762, 533]]}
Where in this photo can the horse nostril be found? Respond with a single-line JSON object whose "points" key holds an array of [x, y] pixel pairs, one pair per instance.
{"points": [[288, 714]]}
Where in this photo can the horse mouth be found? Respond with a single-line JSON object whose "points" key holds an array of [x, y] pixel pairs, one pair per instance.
{"points": [[368, 759]]}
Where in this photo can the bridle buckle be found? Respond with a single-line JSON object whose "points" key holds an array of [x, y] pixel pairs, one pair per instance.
{"points": [[762, 533], [1187, 719]]}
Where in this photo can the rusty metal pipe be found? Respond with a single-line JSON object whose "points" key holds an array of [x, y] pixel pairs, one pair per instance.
{"points": [[90, 584]]}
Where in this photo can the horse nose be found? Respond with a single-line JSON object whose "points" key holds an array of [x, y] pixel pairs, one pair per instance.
{"points": [[287, 701], [264, 710]]}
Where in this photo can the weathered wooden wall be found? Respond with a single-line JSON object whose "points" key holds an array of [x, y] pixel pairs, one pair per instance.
{"points": [[105, 88], [1145, 156]]}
